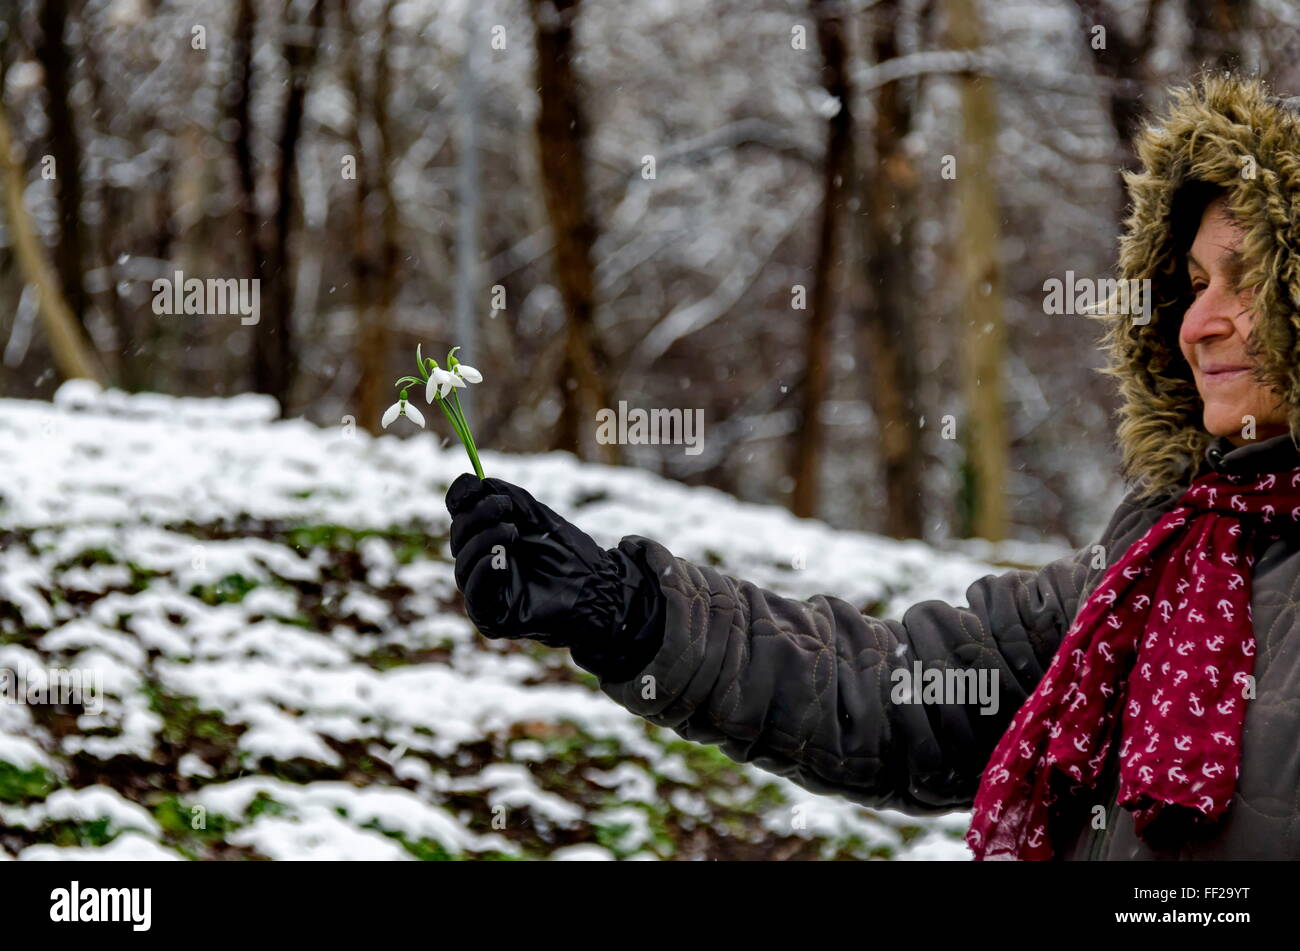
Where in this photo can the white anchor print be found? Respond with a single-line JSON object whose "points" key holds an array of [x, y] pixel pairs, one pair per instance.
{"points": [[1195, 615], [1206, 804], [1237, 503], [1227, 706], [1218, 736], [1183, 743], [1267, 482], [1036, 837], [1177, 774], [1180, 677], [1248, 645], [1236, 581], [1146, 774], [1107, 596], [1213, 673], [1215, 643], [1212, 769], [1194, 705]]}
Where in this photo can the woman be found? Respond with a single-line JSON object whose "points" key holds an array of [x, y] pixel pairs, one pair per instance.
{"points": [[1149, 688]]}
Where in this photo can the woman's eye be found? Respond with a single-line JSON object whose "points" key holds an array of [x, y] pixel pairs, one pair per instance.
{"points": [[1198, 286]]}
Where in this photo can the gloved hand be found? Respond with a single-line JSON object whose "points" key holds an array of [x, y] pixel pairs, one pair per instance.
{"points": [[548, 580]]}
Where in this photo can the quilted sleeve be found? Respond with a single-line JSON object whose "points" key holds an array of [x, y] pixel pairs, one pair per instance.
{"points": [[808, 689]]}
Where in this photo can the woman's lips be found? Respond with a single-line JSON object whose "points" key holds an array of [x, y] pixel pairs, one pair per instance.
{"points": [[1223, 373]]}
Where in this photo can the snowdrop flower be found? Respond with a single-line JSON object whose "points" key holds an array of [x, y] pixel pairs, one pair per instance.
{"points": [[402, 408], [468, 373], [440, 383]]}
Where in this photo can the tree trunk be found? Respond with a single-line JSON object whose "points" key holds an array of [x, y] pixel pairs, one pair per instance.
{"points": [[1216, 28], [889, 315], [65, 149], [1123, 61], [561, 143], [71, 354], [810, 439], [274, 357], [983, 336]]}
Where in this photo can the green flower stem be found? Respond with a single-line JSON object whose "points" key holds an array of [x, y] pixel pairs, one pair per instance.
{"points": [[458, 423], [472, 447]]}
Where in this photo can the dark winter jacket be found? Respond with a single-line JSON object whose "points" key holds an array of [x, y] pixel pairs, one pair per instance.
{"points": [[803, 688]]}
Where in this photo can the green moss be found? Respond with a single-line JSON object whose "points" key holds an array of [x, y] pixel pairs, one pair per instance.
{"points": [[87, 558], [263, 804], [92, 834], [20, 786], [176, 819], [184, 721], [229, 590]]}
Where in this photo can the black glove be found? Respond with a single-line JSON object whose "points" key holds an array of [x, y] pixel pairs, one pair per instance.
{"points": [[548, 580]]}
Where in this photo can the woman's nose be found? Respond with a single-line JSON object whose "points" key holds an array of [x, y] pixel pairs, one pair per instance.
{"points": [[1210, 316]]}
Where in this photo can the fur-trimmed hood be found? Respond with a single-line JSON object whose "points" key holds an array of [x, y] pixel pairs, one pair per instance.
{"points": [[1230, 132]]}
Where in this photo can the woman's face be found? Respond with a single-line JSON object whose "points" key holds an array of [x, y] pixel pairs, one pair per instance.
{"points": [[1214, 332]]}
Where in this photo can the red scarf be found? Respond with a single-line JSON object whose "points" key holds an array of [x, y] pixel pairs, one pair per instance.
{"points": [[1167, 640]]}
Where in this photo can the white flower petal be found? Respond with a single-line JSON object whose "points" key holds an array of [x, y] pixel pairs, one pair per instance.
{"points": [[431, 389], [413, 414], [469, 373], [391, 414]]}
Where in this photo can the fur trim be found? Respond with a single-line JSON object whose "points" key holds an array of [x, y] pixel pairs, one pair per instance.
{"points": [[1211, 131]]}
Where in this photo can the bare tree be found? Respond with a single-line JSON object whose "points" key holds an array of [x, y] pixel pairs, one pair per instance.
{"points": [[810, 434], [71, 354], [373, 250], [983, 336], [1124, 61], [65, 149], [885, 303], [1216, 31], [561, 144]]}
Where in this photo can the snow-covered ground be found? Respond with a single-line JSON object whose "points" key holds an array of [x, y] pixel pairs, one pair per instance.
{"points": [[287, 671]]}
